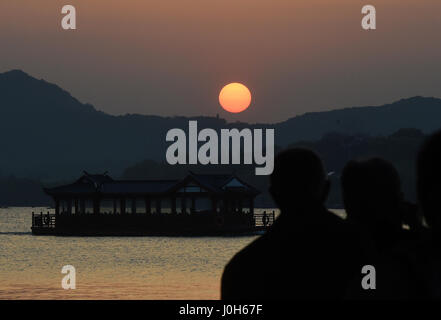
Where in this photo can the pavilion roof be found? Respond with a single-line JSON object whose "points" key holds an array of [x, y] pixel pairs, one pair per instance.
{"points": [[102, 183]]}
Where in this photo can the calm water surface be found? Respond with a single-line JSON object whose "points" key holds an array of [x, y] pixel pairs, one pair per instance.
{"points": [[109, 267]]}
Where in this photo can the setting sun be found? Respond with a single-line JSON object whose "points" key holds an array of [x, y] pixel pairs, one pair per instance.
{"points": [[235, 97]]}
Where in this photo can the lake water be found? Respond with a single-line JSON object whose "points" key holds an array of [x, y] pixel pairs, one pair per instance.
{"points": [[109, 267]]}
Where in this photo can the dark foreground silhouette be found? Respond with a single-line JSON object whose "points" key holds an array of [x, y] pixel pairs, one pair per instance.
{"points": [[309, 253], [375, 206], [429, 197]]}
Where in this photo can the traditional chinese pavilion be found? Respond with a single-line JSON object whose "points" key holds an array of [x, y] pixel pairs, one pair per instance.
{"points": [[97, 205]]}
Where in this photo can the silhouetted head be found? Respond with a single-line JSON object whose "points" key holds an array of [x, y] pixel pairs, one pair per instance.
{"points": [[298, 180], [372, 193], [429, 180]]}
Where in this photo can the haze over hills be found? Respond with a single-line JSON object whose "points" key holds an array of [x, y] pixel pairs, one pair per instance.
{"points": [[46, 133]]}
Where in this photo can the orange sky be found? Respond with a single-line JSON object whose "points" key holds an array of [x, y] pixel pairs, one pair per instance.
{"points": [[172, 57]]}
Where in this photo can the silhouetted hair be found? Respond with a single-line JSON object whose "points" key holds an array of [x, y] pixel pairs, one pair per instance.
{"points": [[372, 191], [298, 178], [429, 180]]}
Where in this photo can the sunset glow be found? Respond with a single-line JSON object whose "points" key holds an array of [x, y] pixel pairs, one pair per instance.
{"points": [[235, 97]]}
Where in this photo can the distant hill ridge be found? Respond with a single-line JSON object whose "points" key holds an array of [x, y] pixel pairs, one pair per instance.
{"points": [[46, 133]]}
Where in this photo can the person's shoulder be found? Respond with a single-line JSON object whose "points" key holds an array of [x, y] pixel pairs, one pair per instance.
{"points": [[240, 273], [248, 254], [350, 235], [335, 223]]}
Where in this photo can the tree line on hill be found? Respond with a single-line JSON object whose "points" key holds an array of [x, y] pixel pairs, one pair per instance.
{"points": [[335, 149]]}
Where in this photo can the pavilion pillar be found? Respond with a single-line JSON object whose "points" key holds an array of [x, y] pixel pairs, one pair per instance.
{"points": [[213, 204], [148, 206], [96, 206], [82, 206], [193, 205], [173, 205], [69, 206], [123, 206], [76, 206], [226, 205], [252, 206], [57, 207], [183, 205], [133, 206], [158, 205], [114, 206]]}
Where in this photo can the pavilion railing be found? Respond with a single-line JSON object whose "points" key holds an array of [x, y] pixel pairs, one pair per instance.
{"points": [[47, 220], [264, 219], [43, 220]]}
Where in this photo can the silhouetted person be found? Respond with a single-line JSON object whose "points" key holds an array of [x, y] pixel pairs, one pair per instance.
{"points": [[429, 198], [413, 219], [264, 219], [372, 197], [374, 202], [308, 253]]}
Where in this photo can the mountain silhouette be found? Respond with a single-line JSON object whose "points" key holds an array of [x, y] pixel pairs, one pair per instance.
{"points": [[47, 134], [416, 112]]}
